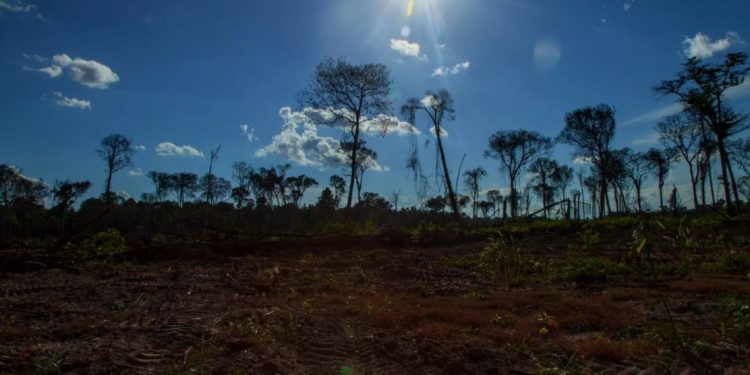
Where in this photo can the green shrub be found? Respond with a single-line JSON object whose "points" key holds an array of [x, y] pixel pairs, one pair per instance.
{"points": [[102, 246], [735, 261], [502, 261]]}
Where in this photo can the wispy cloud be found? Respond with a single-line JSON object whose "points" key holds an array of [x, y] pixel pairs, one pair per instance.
{"points": [[701, 45], [140, 148], [455, 69], [649, 139], [249, 132], [65, 101], [547, 55], [627, 5], [170, 149], [17, 7], [406, 48], [655, 115], [135, 172], [90, 73]]}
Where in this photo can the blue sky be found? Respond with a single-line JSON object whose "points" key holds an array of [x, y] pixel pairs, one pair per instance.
{"points": [[191, 73]]}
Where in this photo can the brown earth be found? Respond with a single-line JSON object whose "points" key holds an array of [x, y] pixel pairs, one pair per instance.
{"points": [[351, 306]]}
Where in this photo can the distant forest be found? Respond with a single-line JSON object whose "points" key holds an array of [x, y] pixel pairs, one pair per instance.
{"points": [[706, 138]]}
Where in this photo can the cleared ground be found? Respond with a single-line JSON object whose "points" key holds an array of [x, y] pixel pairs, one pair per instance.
{"points": [[366, 306]]}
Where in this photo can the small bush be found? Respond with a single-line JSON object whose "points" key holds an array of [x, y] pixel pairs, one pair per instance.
{"points": [[587, 269], [102, 246], [501, 260]]}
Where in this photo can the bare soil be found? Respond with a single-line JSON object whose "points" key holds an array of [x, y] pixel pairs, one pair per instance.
{"points": [[352, 306]]}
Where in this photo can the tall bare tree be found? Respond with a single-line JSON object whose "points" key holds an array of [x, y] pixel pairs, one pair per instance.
{"points": [[591, 130], [117, 151], [701, 88], [471, 182], [351, 93], [659, 161], [515, 149], [439, 107], [681, 137]]}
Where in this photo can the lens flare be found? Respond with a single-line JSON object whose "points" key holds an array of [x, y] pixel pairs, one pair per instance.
{"points": [[405, 31], [409, 8]]}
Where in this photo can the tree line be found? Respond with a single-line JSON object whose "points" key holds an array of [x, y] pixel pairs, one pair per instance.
{"points": [[701, 136]]}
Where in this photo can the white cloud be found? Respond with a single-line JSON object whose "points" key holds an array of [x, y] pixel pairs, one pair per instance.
{"points": [[299, 142], [52, 71], [455, 69], [18, 7], [443, 132], [701, 45], [170, 149], [603, 20], [34, 57], [65, 101], [381, 124], [139, 147], [406, 48], [135, 172], [89, 73], [547, 55], [582, 160], [249, 132], [656, 115]]}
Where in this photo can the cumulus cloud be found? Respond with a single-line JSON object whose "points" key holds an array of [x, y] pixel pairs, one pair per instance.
{"points": [[135, 172], [701, 45], [89, 73], [547, 54], [249, 132], [381, 124], [299, 142], [406, 48], [17, 7], [65, 101], [171, 149], [455, 69]]}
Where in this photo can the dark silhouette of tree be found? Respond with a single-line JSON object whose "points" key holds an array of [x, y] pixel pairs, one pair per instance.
{"points": [[484, 207], [659, 161], [435, 204], [351, 93], [327, 201], [638, 167], [471, 181], [739, 151], [543, 170], [338, 185], [241, 197], [15, 187], [591, 130], [515, 149], [163, 184], [213, 189], [298, 185], [393, 199], [438, 107], [65, 193], [701, 89], [496, 198], [117, 151], [366, 159], [562, 178], [185, 185], [681, 137], [209, 188], [373, 201]]}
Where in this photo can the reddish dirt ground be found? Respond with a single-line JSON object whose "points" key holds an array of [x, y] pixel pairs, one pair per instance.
{"points": [[353, 310]]}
